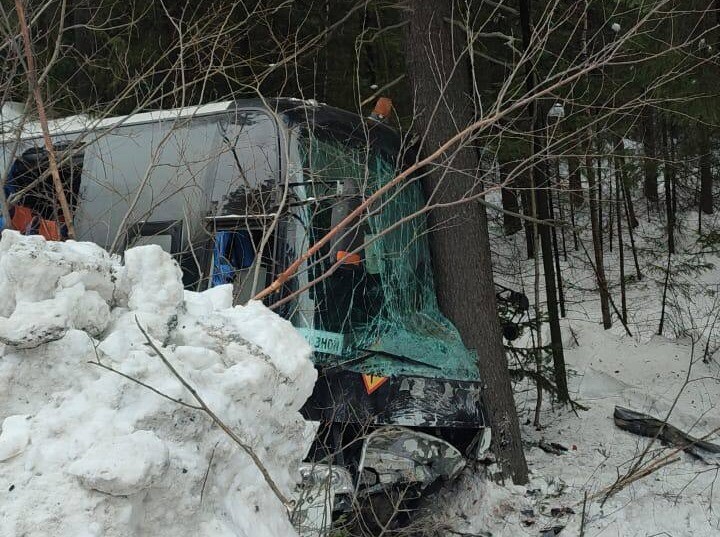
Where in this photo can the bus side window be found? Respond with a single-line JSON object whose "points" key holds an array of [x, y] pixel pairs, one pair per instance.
{"points": [[167, 235]]}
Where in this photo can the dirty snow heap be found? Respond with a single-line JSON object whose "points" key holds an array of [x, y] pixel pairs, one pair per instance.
{"points": [[87, 452]]}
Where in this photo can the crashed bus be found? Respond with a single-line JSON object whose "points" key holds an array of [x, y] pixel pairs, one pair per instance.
{"points": [[236, 191]]}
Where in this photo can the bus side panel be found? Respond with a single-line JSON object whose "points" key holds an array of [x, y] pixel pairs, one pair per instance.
{"points": [[158, 172]]}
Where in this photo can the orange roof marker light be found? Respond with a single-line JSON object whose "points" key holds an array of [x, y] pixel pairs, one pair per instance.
{"points": [[383, 108]]}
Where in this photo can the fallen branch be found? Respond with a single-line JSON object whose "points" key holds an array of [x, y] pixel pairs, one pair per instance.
{"points": [[645, 425], [154, 390], [635, 476]]}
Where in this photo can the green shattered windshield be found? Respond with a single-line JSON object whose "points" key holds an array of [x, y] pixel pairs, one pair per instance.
{"points": [[374, 309]]}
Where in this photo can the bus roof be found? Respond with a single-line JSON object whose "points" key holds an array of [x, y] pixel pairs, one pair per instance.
{"points": [[11, 122]]}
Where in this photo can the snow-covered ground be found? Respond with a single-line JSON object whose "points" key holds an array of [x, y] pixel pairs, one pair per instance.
{"points": [[606, 370], [87, 452], [645, 372]]}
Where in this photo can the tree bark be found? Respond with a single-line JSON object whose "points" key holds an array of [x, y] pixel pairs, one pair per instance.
{"points": [[621, 246], [596, 231], [528, 210], [706, 179], [510, 202], [620, 165], [668, 175], [650, 165], [459, 242]]}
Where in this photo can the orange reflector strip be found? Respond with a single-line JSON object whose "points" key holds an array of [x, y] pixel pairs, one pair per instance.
{"points": [[373, 382], [347, 258]]}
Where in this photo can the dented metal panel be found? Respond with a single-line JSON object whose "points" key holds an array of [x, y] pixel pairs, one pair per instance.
{"points": [[340, 396]]}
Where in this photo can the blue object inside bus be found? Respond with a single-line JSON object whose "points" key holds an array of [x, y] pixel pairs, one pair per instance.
{"points": [[233, 251]]}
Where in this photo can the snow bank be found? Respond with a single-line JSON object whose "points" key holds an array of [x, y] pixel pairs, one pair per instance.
{"points": [[86, 452]]}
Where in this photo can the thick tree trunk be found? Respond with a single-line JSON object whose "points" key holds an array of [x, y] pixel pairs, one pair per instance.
{"points": [[459, 243], [650, 164]]}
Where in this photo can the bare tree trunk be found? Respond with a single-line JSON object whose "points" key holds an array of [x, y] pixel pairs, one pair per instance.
{"points": [[576, 194], [576, 190], [664, 295], [556, 255], [650, 165], [461, 250], [560, 207], [673, 157], [668, 173], [599, 262], [631, 234], [621, 246], [706, 179], [528, 210], [610, 215], [510, 202], [598, 182], [620, 164], [627, 205]]}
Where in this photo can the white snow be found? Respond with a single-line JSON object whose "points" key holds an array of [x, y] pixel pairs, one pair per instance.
{"points": [[14, 436], [122, 465], [86, 452]]}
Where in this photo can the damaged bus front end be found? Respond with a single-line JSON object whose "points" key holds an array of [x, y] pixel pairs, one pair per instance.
{"points": [[399, 397]]}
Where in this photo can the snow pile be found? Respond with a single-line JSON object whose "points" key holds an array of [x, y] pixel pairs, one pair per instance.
{"points": [[87, 452]]}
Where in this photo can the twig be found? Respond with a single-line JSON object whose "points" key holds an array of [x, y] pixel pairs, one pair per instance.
{"points": [[136, 381], [544, 383], [207, 472], [630, 479], [381, 90], [648, 469]]}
